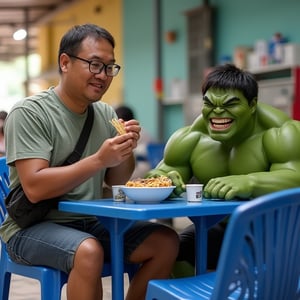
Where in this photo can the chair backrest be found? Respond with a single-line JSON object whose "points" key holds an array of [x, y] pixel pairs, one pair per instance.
{"points": [[261, 248], [4, 187], [155, 153]]}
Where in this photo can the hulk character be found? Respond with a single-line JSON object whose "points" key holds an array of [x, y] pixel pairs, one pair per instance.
{"points": [[237, 148]]}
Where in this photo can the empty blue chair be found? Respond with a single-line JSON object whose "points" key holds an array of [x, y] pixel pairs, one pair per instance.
{"points": [[155, 153], [259, 257], [51, 280]]}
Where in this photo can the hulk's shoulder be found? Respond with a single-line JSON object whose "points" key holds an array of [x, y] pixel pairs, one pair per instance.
{"points": [[289, 129], [283, 142], [269, 116]]}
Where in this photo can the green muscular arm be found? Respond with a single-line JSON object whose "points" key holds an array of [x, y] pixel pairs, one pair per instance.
{"points": [[176, 160], [281, 147]]}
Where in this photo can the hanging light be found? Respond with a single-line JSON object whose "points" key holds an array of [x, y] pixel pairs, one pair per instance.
{"points": [[20, 34]]}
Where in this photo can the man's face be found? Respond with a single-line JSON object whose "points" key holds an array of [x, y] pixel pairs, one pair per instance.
{"points": [[80, 82], [227, 115]]}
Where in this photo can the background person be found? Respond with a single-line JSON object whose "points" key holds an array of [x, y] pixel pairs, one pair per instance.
{"points": [[38, 141], [237, 148], [3, 115]]}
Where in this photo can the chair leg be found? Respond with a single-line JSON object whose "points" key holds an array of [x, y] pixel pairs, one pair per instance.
{"points": [[4, 284], [46, 294], [51, 285]]}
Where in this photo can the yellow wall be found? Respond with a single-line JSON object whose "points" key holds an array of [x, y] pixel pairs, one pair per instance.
{"points": [[105, 13]]}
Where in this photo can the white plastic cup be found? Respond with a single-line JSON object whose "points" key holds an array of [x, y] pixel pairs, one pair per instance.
{"points": [[118, 194], [194, 192]]}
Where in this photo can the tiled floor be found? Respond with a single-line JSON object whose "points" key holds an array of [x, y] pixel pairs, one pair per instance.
{"points": [[28, 289]]}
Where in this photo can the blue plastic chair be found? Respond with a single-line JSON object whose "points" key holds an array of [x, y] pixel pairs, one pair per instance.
{"points": [[155, 153], [259, 257], [51, 280]]}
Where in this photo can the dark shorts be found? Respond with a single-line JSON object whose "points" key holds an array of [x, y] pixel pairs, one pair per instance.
{"points": [[54, 245]]}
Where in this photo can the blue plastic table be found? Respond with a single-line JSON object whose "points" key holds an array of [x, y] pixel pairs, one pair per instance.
{"points": [[118, 217]]}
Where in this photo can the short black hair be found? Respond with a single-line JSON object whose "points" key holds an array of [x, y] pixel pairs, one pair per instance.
{"points": [[71, 41], [125, 113], [228, 76], [3, 115]]}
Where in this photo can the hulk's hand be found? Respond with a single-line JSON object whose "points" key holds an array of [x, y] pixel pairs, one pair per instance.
{"points": [[229, 187], [174, 176], [178, 182]]}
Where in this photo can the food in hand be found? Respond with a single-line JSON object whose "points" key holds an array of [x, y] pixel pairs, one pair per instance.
{"points": [[119, 126]]}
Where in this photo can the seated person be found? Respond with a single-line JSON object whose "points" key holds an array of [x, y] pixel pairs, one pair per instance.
{"points": [[40, 132], [238, 148]]}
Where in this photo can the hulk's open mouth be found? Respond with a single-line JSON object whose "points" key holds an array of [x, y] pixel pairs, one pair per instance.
{"points": [[220, 123]]}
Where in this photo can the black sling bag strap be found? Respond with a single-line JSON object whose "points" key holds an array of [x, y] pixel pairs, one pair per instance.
{"points": [[83, 138], [26, 213]]}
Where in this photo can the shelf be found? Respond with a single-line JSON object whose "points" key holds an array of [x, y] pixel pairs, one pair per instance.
{"points": [[271, 68], [172, 101], [279, 86], [273, 71]]}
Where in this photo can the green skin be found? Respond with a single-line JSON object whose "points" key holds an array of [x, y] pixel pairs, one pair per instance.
{"points": [[237, 150]]}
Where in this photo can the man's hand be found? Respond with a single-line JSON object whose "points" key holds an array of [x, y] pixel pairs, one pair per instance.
{"points": [[229, 187]]}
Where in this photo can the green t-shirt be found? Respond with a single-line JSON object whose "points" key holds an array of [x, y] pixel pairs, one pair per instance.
{"points": [[41, 126]]}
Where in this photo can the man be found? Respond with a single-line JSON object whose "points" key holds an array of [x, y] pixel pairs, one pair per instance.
{"points": [[41, 131], [237, 148]]}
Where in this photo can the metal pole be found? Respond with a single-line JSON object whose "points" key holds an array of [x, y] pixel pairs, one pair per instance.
{"points": [[158, 69]]}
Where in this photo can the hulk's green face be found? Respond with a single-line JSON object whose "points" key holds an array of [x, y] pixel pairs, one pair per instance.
{"points": [[227, 115]]}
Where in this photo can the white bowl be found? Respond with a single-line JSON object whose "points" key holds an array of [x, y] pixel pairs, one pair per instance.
{"points": [[147, 194]]}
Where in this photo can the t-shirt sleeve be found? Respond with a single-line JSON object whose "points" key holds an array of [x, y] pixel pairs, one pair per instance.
{"points": [[26, 135]]}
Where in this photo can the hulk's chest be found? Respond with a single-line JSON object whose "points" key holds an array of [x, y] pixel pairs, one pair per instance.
{"points": [[211, 159]]}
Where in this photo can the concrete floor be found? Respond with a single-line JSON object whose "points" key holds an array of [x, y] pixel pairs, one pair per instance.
{"points": [[28, 289]]}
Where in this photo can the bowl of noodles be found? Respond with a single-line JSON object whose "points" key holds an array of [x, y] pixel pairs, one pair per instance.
{"points": [[149, 190]]}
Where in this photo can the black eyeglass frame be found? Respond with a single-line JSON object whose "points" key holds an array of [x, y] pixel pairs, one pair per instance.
{"points": [[104, 66]]}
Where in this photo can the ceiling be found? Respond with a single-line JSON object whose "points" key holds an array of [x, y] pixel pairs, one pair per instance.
{"points": [[27, 14]]}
